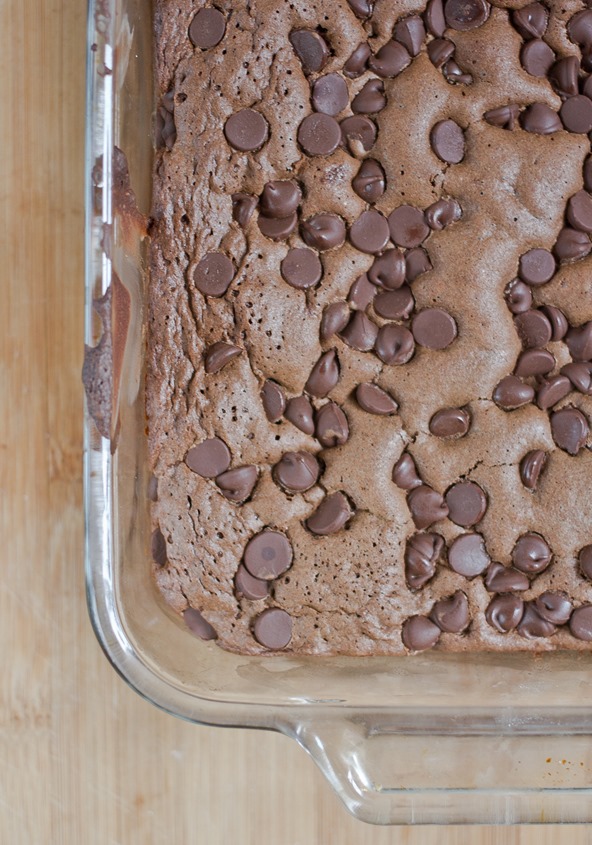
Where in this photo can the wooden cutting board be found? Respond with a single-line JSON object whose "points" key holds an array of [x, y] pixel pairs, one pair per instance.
{"points": [[83, 760]]}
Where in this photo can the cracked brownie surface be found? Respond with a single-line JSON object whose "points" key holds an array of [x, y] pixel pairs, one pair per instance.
{"points": [[369, 347]]}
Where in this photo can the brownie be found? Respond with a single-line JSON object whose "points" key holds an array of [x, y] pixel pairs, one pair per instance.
{"points": [[370, 324]]}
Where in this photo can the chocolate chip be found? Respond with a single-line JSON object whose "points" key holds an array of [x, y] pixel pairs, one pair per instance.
{"points": [[426, 505], [580, 623], [324, 375], [442, 213], [311, 48], [277, 229], [243, 206], [511, 393], [464, 15], [505, 579], [434, 18], [394, 344], [370, 232], [505, 116], [323, 231], [357, 63], [585, 562], [552, 391], [531, 466], [576, 114], [408, 226], [207, 28], [451, 614], [534, 329], [422, 553], [447, 140], [537, 58], [273, 400], [218, 355], [246, 130], [440, 50], [370, 99], [579, 211], [504, 613], [296, 472], [405, 473], [536, 267], [248, 587], [361, 293], [280, 198], [358, 134], [558, 321], [419, 633], [531, 20], [213, 274], [301, 268], [410, 32], [361, 8], [417, 262], [579, 342], [268, 555], [579, 28], [554, 607], [450, 423], [330, 94], [434, 328], [273, 628], [390, 60], [540, 119], [571, 245], [330, 516], [334, 319], [532, 625], [369, 183], [580, 375], [331, 426], [570, 429], [388, 270], [534, 362], [209, 458], [454, 74], [299, 412], [360, 333], [395, 304], [158, 548], [564, 76], [198, 625], [518, 297], [467, 503], [531, 554], [468, 556], [588, 167], [375, 400], [237, 484], [319, 134]]}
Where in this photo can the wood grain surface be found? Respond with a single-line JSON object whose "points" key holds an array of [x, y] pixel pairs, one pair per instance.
{"points": [[83, 760]]}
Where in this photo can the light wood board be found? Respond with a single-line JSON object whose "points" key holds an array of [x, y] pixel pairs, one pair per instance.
{"points": [[83, 760]]}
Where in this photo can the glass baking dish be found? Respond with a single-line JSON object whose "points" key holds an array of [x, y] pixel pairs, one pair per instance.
{"points": [[434, 738]]}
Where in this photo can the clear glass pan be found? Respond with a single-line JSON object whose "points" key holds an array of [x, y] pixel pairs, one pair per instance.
{"points": [[434, 738]]}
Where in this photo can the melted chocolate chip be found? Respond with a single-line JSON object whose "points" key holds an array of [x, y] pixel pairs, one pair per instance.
{"points": [[280, 198], [564, 76], [207, 28], [464, 15], [301, 268], [448, 141], [552, 391], [442, 213], [369, 183], [467, 503], [585, 562], [213, 274], [209, 458], [370, 99], [390, 60], [158, 548], [505, 579], [248, 587], [579, 342], [422, 553], [277, 229], [580, 375], [218, 355], [454, 74], [534, 362], [450, 423], [534, 329], [426, 505], [361, 293], [357, 63], [331, 515], [335, 318], [434, 328], [330, 94], [370, 232], [536, 267], [451, 614], [504, 613], [237, 484], [395, 304], [440, 50], [554, 607], [531, 20], [571, 245], [296, 472], [408, 226], [394, 344], [468, 556], [532, 625], [511, 393], [580, 623], [419, 633], [405, 473], [331, 426], [299, 412], [570, 429], [360, 333], [537, 57], [273, 628], [531, 466], [410, 32], [417, 262], [518, 297], [531, 554], [199, 626], [311, 48], [323, 231], [246, 130], [324, 375], [540, 119], [388, 270], [273, 400], [375, 400], [358, 134], [505, 116], [319, 135], [268, 555], [576, 114], [558, 321], [361, 8], [434, 18], [243, 206]]}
